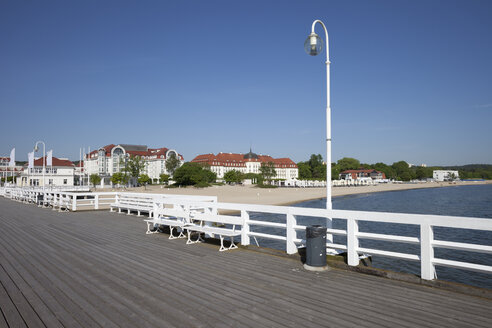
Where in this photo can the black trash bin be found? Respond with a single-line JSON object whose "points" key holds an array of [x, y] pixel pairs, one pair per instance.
{"points": [[315, 248]]}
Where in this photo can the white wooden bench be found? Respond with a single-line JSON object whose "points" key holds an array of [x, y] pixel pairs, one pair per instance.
{"points": [[133, 202], [200, 227], [174, 218]]}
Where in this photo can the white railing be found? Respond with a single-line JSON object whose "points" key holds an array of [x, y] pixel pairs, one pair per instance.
{"points": [[426, 240]]}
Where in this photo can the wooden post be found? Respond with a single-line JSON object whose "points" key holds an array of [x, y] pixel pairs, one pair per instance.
{"points": [[74, 202], [291, 234], [245, 228], [427, 269], [352, 242]]}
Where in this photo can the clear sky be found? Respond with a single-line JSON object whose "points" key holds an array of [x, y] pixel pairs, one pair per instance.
{"points": [[411, 80]]}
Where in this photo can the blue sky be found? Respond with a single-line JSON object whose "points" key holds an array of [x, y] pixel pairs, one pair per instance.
{"points": [[410, 80]]}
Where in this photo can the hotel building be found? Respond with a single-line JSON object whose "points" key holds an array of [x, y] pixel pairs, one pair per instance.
{"points": [[61, 173], [221, 163], [110, 159]]}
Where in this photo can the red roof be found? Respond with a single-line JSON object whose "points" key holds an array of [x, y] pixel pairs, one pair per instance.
{"points": [[150, 152], [56, 162], [238, 160]]}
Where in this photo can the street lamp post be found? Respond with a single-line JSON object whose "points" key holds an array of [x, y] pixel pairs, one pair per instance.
{"points": [[36, 148], [314, 46]]}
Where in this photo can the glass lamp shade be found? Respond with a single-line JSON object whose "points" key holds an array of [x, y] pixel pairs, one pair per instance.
{"points": [[313, 45]]}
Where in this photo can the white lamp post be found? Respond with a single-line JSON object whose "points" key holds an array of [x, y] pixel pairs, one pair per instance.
{"points": [[314, 46], [36, 148]]}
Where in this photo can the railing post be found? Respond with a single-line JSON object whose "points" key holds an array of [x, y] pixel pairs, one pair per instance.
{"points": [[74, 202], [352, 242], [291, 234], [245, 228], [96, 202], [427, 269]]}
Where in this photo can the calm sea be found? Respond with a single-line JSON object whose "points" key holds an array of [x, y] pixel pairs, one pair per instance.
{"points": [[471, 201]]}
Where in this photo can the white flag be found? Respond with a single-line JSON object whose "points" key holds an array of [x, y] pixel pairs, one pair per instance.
{"points": [[49, 160], [12, 158], [30, 157]]}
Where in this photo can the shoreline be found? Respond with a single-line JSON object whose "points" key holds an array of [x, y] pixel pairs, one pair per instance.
{"points": [[288, 196]]}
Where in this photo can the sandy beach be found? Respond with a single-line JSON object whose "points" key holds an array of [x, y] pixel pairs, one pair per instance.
{"points": [[286, 196]]}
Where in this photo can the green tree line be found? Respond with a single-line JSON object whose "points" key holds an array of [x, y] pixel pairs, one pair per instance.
{"points": [[315, 169]]}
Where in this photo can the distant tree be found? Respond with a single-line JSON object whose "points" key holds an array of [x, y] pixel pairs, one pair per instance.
{"points": [[172, 163], [423, 172], [144, 179], [233, 176], [315, 161], [119, 178], [164, 178], [192, 174], [95, 179], [405, 176], [134, 166], [304, 171], [267, 170], [335, 171], [319, 172], [403, 171], [348, 163]]}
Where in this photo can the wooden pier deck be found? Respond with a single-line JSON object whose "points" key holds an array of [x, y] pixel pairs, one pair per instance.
{"points": [[95, 269]]}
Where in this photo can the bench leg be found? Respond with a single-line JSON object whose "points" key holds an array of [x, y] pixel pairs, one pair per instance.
{"points": [[138, 213], [150, 231], [129, 213], [198, 240], [171, 235], [222, 248]]}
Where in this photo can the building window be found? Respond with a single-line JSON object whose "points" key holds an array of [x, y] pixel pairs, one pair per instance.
{"points": [[64, 181]]}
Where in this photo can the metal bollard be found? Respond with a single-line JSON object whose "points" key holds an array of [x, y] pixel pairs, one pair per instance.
{"points": [[316, 248]]}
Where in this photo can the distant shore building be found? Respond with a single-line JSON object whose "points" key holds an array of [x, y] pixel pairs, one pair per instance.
{"points": [[7, 171], [61, 173], [445, 175], [361, 174], [111, 159], [221, 163]]}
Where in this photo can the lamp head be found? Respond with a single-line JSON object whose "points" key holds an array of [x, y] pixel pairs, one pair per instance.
{"points": [[313, 44], [36, 148]]}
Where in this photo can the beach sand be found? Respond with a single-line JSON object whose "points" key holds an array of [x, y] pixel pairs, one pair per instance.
{"points": [[286, 196]]}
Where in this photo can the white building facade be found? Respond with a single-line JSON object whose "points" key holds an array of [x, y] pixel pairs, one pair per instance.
{"points": [[111, 159], [61, 173], [445, 175], [221, 163]]}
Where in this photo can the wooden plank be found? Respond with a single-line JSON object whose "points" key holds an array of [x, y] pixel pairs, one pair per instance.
{"points": [[9, 315]]}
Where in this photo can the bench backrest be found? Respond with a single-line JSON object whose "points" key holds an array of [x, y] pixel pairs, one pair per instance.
{"points": [[217, 218], [173, 212], [135, 200]]}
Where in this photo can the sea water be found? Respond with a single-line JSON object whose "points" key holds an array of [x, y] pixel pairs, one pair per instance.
{"points": [[467, 201]]}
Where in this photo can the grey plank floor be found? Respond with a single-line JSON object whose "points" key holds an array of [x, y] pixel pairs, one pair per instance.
{"points": [[100, 269]]}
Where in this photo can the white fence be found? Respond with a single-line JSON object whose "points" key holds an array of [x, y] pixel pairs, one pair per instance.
{"points": [[79, 198], [426, 224], [426, 239]]}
